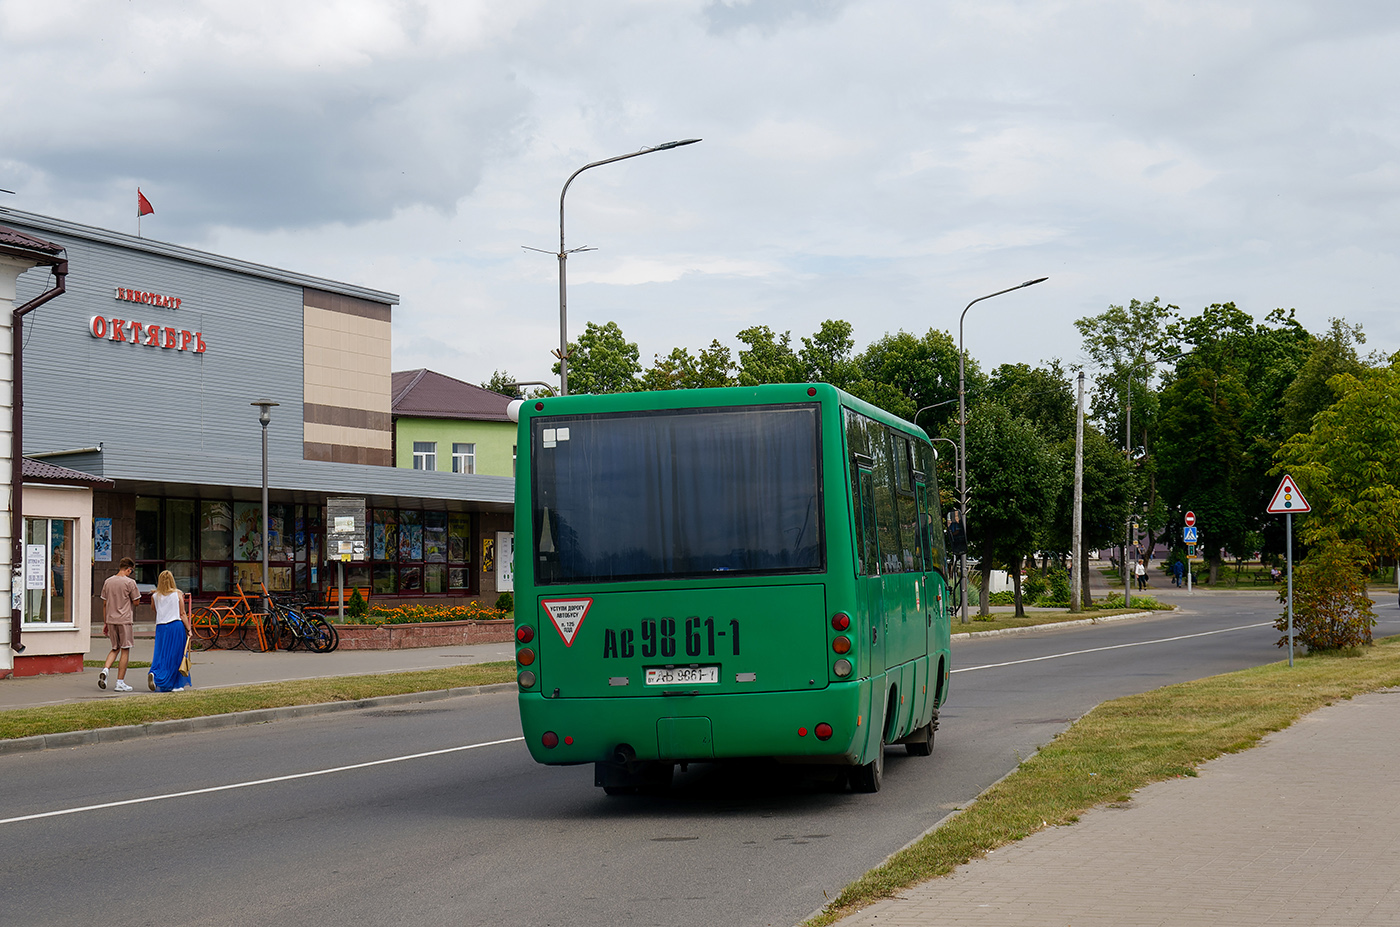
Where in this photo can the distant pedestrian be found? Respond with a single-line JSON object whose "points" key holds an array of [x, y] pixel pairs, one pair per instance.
{"points": [[1177, 571], [1140, 570], [172, 634], [120, 596]]}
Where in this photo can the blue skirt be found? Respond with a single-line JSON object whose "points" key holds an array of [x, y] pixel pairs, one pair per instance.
{"points": [[169, 654]]}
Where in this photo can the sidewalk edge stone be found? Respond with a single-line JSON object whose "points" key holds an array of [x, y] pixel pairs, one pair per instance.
{"points": [[233, 719]]}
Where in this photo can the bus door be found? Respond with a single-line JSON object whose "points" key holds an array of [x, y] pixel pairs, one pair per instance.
{"points": [[868, 581]]}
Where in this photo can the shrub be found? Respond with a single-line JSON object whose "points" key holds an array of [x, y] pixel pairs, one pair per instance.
{"points": [[1058, 582], [1330, 607], [357, 607], [1033, 587], [1002, 598], [505, 602]]}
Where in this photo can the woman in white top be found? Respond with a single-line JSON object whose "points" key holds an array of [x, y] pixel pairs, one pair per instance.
{"points": [[172, 631]]}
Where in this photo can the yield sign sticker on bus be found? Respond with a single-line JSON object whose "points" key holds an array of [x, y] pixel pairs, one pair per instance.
{"points": [[567, 615]]}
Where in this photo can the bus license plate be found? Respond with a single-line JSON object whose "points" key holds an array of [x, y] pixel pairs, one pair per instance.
{"points": [[681, 675]]}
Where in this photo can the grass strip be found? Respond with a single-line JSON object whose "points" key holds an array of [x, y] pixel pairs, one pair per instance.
{"points": [[87, 716], [1002, 621], [1120, 747]]}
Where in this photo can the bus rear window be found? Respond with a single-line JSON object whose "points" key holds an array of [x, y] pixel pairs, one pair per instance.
{"points": [[677, 493]]}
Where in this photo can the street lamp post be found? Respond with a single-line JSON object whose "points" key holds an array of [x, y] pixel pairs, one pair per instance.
{"points": [[962, 428], [265, 407], [563, 254]]}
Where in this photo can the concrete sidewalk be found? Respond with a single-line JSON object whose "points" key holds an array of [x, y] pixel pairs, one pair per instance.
{"points": [[218, 668], [1302, 830]]}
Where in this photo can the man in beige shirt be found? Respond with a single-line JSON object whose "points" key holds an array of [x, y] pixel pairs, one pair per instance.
{"points": [[120, 596]]}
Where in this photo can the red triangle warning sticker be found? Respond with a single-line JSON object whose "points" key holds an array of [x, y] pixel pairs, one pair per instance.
{"points": [[567, 615], [1288, 500]]}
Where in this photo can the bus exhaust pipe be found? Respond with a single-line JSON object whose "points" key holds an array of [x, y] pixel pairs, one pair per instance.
{"points": [[624, 755]]}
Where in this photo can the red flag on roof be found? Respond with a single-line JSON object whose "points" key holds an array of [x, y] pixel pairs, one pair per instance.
{"points": [[143, 205]]}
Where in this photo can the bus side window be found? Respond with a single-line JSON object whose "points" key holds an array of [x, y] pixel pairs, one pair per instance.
{"points": [[863, 516]]}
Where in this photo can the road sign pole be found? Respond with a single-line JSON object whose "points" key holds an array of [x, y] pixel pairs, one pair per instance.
{"points": [[1288, 541]]}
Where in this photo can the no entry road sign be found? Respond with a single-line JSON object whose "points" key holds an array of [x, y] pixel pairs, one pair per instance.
{"points": [[1190, 519]]}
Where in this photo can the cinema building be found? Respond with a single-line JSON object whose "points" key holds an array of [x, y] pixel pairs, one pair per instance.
{"points": [[144, 373]]}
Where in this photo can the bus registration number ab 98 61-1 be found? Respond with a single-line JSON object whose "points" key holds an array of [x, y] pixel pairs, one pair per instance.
{"points": [[681, 675]]}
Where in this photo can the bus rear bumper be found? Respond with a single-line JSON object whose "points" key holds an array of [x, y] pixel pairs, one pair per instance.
{"points": [[780, 725]]}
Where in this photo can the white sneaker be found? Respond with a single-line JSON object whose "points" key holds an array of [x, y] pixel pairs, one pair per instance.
{"points": [[102, 679], [121, 686], [151, 681]]}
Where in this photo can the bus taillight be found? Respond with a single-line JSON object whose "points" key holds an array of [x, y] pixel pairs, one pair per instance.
{"points": [[549, 739], [525, 634], [525, 656], [841, 668], [525, 679], [840, 621], [841, 644], [823, 731]]}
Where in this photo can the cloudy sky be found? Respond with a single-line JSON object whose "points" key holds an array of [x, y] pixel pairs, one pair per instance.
{"points": [[879, 161]]}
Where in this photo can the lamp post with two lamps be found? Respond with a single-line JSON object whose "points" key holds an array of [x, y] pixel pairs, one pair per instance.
{"points": [[265, 407], [962, 426], [563, 253]]}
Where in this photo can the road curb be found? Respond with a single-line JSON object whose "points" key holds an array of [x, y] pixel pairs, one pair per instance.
{"points": [[234, 719], [1078, 622]]}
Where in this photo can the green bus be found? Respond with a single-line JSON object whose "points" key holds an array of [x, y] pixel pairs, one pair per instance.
{"points": [[712, 574]]}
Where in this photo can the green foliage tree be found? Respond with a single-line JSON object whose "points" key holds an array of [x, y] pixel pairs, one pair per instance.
{"points": [[1013, 479], [903, 373], [1041, 394], [1348, 464], [769, 358], [1331, 610], [1220, 421], [502, 382], [603, 361], [712, 367], [1107, 491], [826, 357], [1309, 392]]}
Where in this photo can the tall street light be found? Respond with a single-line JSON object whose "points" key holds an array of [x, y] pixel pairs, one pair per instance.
{"points": [[563, 254], [265, 407], [962, 427]]}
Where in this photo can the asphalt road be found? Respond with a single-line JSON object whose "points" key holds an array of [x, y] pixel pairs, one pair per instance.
{"points": [[436, 814]]}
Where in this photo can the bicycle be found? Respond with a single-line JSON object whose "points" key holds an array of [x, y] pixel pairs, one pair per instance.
{"points": [[292, 627], [226, 621]]}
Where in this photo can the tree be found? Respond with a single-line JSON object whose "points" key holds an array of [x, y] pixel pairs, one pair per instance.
{"points": [[1013, 480], [902, 373], [713, 367], [1348, 464], [1220, 424], [603, 361], [1107, 490], [1309, 393], [826, 356], [502, 382], [768, 359], [1041, 394]]}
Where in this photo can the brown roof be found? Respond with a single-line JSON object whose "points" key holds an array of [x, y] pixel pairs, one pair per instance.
{"points": [[36, 471], [426, 394], [22, 245]]}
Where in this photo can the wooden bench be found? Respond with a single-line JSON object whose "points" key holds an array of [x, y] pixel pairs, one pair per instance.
{"points": [[331, 603]]}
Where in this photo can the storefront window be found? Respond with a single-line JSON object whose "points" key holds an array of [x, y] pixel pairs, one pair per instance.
{"points": [[147, 528], [216, 531], [421, 552], [410, 536], [48, 571]]}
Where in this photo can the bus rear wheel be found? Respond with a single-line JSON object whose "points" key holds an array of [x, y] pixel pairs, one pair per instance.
{"points": [[634, 778], [920, 742], [871, 776]]}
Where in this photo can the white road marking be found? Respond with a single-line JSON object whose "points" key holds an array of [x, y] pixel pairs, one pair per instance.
{"points": [[1075, 653], [253, 782]]}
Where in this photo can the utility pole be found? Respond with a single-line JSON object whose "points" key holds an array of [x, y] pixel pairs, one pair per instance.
{"points": [[1077, 554]]}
